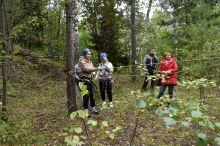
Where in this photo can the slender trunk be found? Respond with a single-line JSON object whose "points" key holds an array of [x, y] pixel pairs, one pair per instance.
{"points": [[58, 24], [202, 93], [186, 21], [70, 58], [133, 38], [76, 32], [5, 45], [201, 88], [175, 32], [4, 100], [148, 11]]}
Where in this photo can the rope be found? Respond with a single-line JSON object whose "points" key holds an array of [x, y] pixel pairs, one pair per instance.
{"points": [[120, 67], [191, 69], [181, 71]]}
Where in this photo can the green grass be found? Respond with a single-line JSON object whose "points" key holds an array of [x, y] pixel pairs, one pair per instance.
{"points": [[37, 111]]}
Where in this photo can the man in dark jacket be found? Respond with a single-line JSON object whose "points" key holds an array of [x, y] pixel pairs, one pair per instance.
{"points": [[149, 63]]}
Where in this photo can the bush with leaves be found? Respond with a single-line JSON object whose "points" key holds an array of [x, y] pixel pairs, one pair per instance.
{"points": [[11, 133], [187, 113], [200, 84]]}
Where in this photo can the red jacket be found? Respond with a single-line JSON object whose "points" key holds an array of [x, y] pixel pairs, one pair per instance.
{"points": [[171, 65]]}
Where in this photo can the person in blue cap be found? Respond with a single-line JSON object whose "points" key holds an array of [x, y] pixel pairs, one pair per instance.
{"points": [[87, 69], [105, 78]]}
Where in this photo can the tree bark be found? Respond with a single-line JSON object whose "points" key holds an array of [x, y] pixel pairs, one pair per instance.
{"points": [[133, 38], [175, 35], [148, 10], [70, 58], [5, 44], [76, 30], [58, 23]]}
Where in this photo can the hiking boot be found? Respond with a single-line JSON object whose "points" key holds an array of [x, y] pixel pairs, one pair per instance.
{"points": [[103, 103], [95, 111], [110, 104]]}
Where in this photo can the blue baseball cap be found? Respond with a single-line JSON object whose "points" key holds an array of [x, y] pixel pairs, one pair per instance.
{"points": [[102, 55], [85, 51]]}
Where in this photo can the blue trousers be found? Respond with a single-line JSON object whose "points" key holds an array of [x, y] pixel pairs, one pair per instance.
{"points": [[163, 88]]}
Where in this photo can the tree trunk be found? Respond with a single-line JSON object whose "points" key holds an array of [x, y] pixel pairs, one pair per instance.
{"points": [[76, 30], [133, 38], [175, 32], [148, 11], [70, 58], [5, 45], [202, 93], [58, 24]]}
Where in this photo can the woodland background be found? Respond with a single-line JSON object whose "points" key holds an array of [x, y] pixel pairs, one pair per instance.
{"points": [[41, 41]]}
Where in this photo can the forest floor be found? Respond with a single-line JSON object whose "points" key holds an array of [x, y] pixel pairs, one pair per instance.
{"points": [[37, 114]]}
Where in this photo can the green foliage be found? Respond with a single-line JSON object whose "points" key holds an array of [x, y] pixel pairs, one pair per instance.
{"points": [[11, 133], [187, 113], [217, 139], [169, 121], [201, 142], [141, 103], [189, 26], [103, 21], [83, 89], [40, 26], [201, 84], [72, 139], [198, 83], [40, 100], [29, 24]]}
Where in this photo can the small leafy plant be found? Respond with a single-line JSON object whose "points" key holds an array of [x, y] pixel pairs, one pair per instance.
{"points": [[73, 137]]}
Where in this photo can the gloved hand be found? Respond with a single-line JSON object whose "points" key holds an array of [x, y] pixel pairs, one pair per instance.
{"points": [[167, 72], [100, 68]]}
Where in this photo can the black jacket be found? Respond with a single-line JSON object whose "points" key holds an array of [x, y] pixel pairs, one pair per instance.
{"points": [[150, 62]]}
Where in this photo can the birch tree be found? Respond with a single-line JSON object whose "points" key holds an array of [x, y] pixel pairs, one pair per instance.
{"points": [[70, 57]]}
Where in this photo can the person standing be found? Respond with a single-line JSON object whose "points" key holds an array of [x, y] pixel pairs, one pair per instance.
{"points": [[149, 62], [105, 78], [87, 70], [77, 70], [168, 68]]}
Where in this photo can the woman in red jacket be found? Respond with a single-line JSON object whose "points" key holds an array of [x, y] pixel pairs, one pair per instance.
{"points": [[168, 67]]}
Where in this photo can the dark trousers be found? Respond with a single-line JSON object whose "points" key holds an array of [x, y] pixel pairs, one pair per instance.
{"points": [[146, 83], [105, 85], [90, 87], [163, 88]]}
